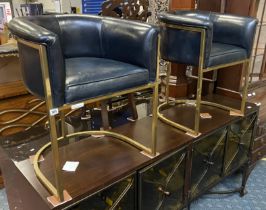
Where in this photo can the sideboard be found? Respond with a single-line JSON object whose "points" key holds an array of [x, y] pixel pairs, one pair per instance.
{"points": [[113, 175]]}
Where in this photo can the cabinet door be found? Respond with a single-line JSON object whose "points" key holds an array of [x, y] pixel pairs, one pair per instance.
{"points": [[207, 162], [239, 140], [120, 196], [161, 185]]}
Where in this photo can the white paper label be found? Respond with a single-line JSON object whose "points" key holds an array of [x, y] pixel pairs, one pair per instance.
{"points": [[77, 106], [71, 166], [54, 112]]}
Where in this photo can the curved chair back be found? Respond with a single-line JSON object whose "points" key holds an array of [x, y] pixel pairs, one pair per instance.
{"points": [[220, 28]]}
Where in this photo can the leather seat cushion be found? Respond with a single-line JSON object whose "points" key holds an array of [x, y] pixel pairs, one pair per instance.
{"points": [[225, 53], [88, 77]]}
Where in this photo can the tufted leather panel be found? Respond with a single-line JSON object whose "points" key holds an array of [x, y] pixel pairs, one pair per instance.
{"points": [[225, 53], [81, 36], [75, 36], [176, 41], [136, 41], [88, 77], [31, 76], [229, 38]]}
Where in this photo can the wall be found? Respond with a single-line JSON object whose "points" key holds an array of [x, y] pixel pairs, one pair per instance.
{"points": [[49, 5]]}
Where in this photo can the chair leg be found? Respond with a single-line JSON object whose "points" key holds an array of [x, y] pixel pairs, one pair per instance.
{"points": [[212, 83], [155, 100], [63, 124], [56, 162], [169, 69], [132, 105], [104, 114], [245, 88], [198, 100]]}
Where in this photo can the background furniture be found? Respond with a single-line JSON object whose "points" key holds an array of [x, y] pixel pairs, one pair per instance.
{"points": [[10, 81]]}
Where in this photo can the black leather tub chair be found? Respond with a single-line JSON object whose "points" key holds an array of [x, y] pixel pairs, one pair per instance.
{"points": [[209, 41], [73, 60]]}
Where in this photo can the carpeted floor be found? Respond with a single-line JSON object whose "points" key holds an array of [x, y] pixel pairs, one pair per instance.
{"points": [[254, 200]]}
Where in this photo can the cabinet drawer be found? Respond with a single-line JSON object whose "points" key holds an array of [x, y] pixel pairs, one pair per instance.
{"points": [[207, 161], [161, 186], [240, 137], [120, 196]]}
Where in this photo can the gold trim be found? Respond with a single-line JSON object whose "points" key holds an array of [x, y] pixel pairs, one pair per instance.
{"points": [[155, 101], [52, 121], [225, 65], [169, 70]]}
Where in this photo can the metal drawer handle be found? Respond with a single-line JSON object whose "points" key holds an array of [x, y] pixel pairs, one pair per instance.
{"points": [[164, 192], [209, 162]]}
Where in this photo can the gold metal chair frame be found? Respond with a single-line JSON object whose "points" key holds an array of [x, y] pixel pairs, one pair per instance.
{"points": [[201, 70], [57, 191]]}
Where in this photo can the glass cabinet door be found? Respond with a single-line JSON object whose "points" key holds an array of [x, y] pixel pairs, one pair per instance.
{"points": [[161, 186], [238, 144], [207, 161], [120, 196]]}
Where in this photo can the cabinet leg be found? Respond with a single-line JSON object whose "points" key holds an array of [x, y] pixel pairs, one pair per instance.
{"points": [[1, 180], [245, 176]]}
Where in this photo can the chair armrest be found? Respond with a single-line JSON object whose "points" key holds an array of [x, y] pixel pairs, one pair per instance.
{"points": [[23, 28], [30, 60], [234, 30]]}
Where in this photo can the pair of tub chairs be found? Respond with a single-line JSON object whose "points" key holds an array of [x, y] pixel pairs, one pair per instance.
{"points": [[73, 60]]}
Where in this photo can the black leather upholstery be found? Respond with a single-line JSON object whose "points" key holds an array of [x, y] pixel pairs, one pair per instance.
{"points": [[225, 53], [88, 77], [229, 38], [119, 51]]}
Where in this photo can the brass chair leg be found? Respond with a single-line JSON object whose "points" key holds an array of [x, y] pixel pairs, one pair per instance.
{"points": [[169, 70], [63, 124], [104, 114], [245, 88], [198, 101], [155, 100], [56, 162], [132, 105]]}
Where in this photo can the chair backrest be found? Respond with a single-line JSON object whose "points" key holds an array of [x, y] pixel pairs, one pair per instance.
{"points": [[183, 46]]}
